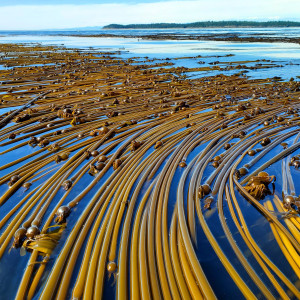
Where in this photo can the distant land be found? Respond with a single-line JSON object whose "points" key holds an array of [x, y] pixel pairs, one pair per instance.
{"points": [[206, 24]]}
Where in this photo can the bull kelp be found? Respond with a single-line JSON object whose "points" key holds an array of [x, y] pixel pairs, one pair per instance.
{"points": [[126, 178]]}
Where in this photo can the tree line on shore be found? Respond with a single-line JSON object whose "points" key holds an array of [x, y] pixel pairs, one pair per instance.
{"points": [[205, 24]]}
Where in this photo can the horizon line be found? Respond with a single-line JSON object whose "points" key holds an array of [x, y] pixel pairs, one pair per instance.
{"points": [[155, 23]]}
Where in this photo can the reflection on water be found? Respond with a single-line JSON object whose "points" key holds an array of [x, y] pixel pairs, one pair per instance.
{"points": [[286, 54], [190, 54]]}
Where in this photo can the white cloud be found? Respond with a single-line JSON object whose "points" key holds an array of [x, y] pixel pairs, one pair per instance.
{"points": [[68, 16]]}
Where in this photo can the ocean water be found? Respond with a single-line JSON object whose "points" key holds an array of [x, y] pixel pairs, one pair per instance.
{"points": [[285, 56], [274, 32], [285, 60]]}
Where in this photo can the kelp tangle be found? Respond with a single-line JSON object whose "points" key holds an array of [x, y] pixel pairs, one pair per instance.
{"points": [[126, 178]]}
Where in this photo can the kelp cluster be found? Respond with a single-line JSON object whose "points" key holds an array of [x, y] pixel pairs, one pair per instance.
{"points": [[116, 175]]}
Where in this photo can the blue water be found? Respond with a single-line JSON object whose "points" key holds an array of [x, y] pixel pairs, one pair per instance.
{"points": [[274, 32], [284, 55]]}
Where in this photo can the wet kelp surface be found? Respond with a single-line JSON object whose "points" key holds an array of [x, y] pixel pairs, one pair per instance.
{"points": [[124, 178]]}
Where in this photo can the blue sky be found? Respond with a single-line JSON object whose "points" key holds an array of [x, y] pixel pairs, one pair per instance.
{"points": [[55, 14]]}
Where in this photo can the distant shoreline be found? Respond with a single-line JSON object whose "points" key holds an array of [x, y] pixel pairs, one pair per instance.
{"points": [[208, 24], [242, 35]]}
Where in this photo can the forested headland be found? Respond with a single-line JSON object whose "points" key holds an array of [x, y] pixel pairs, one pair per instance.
{"points": [[206, 24]]}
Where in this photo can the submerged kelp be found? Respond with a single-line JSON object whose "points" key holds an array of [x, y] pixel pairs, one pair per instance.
{"points": [[154, 178]]}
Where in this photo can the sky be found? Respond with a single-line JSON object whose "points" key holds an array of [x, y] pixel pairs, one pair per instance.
{"points": [[58, 14]]}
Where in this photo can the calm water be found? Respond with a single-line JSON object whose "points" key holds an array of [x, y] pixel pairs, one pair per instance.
{"points": [[274, 32], [286, 60], [285, 55]]}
